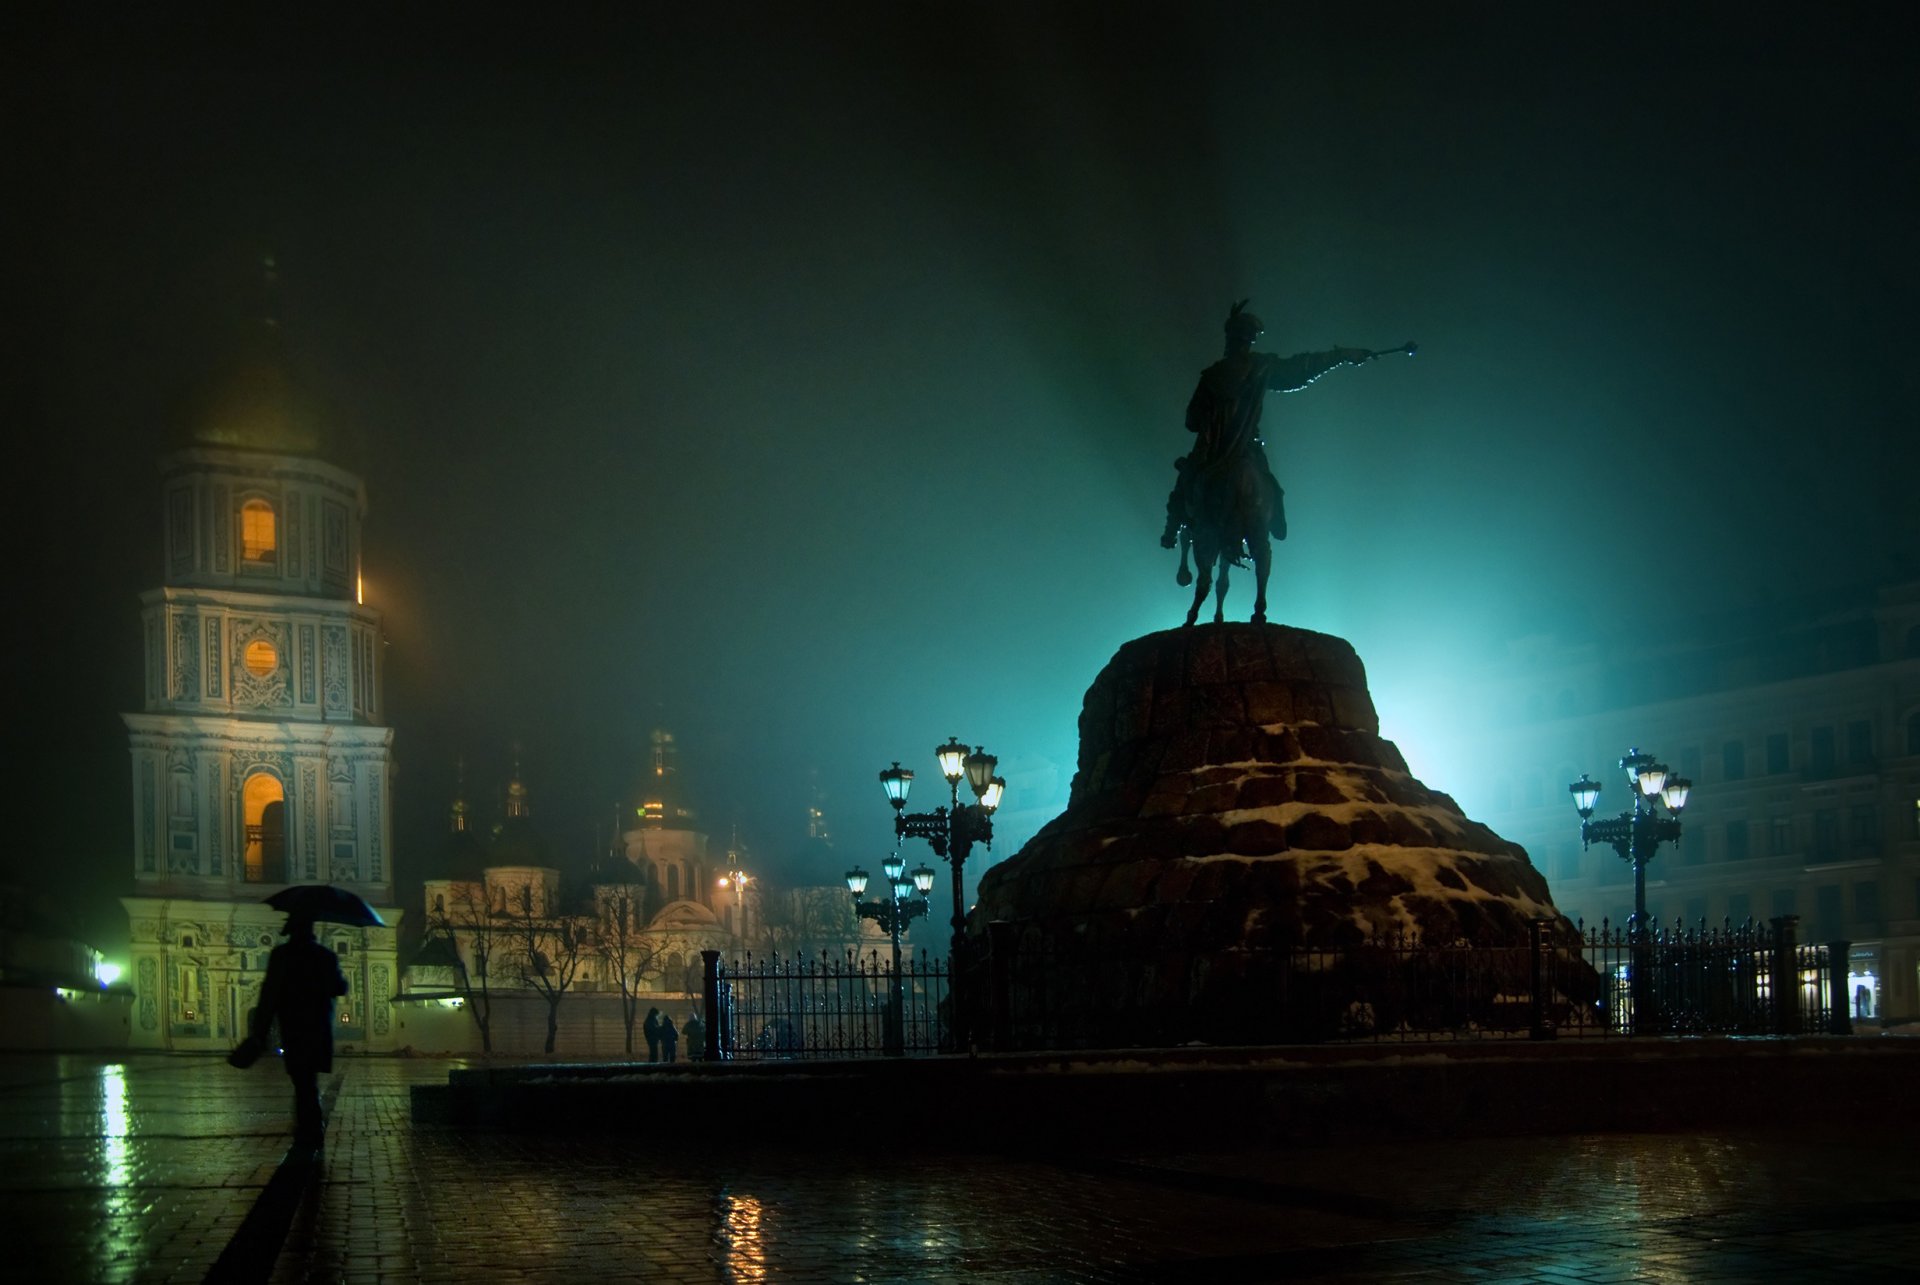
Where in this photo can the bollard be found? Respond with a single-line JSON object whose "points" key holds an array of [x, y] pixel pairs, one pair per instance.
{"points": [[710, 985], [1839, 1003]]}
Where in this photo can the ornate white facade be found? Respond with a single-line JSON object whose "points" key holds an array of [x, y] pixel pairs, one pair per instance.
{"points": [[259, 759]]}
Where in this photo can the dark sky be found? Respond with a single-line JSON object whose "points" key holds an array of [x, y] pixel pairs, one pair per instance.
{"points": [[810, 380]]}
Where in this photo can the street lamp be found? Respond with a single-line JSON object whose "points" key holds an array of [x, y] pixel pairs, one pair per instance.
{"points": [[904, 903], [951, 831], [737, 878], [1636, 835]]}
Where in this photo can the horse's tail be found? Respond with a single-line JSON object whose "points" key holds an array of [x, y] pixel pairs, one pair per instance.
{"points": [[1185, 577]]}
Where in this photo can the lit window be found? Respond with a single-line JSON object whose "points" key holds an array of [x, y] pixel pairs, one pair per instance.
{"points": [[260, 658], [257, 540]]}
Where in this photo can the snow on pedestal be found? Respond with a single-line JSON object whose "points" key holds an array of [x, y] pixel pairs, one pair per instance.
{"points": [[1234, 797]]}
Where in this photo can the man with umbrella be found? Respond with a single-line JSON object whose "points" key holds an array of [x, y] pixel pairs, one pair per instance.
{"points": [[303, 978]]}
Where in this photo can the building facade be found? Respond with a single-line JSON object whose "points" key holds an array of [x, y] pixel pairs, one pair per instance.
{"points": [[1800, 730], [258, 758]]}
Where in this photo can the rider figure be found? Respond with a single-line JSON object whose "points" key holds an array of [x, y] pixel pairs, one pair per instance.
{"points": [[1224, 412]]}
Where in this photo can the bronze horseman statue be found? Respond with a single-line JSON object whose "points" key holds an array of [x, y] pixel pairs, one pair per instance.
{"points": [[1225, 501]]}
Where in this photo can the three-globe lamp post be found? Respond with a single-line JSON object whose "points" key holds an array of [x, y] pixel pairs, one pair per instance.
{"points": [[1636, 835], [904, 903], [951, 831]]}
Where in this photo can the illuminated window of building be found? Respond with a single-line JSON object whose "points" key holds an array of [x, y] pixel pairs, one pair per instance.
{"points": [[260, 658], [257, 538], [263, 807]]}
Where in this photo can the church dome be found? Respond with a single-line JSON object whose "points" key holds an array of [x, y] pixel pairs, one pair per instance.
{"points": [[252, 404]]}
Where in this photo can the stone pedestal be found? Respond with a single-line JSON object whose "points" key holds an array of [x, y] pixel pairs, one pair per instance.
{"points": [[1235, 805]]}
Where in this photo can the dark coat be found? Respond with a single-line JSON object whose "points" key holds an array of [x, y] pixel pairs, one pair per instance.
{"points": [[303, 977]]}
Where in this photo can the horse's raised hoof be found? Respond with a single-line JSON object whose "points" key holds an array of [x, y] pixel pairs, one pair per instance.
{"points": [[1183, 579]]}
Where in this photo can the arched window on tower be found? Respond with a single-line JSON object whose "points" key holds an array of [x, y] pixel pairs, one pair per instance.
{"points": [[263, 803], [673, 883], [258, 536]]}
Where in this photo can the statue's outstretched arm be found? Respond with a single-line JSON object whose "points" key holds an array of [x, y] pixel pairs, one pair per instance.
{"points": [[1291, 374]]}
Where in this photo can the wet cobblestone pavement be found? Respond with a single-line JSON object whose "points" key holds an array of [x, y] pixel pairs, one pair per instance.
{"points": [[144, 1169]]}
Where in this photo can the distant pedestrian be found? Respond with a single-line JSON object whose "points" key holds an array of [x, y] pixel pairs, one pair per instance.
{"points": [[652, 1027], [669, 1040], [1862, 1001], [696, 1038], [303, 977]]}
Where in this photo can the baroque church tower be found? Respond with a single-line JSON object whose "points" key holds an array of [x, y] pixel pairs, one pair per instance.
{"points": [[259, 758]]}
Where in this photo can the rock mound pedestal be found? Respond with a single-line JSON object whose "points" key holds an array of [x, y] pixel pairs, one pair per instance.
{"points": [[1235, 805]]}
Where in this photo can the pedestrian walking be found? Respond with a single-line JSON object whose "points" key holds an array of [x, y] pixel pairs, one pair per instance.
{"points": [[652, 1027], [696, 1031], [669, 1039], [303, 978]]}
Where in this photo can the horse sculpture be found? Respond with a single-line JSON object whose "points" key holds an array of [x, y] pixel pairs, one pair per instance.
{"points": [[1229, 511]]}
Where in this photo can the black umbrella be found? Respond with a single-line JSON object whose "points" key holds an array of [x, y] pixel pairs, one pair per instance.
{"points": [[323, 901]]}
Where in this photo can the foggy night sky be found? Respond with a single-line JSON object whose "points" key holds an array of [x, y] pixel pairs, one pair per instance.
{"points": [[810, 383]]}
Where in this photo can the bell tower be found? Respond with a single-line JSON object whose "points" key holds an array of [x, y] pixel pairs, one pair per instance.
{"points": [[259, 757]]}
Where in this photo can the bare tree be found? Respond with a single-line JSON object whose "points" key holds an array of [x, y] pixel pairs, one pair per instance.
{"points": [[807, 921], [466, 921], [546, 950], [626, 950]]}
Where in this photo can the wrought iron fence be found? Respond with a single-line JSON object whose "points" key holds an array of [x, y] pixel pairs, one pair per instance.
{"points": [[829, 1005], [1601, 982]]}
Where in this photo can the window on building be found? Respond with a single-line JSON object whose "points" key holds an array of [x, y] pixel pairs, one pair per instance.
{"points": [[1866, 904], [1737, 840], [1863, 827], [263, 808], [1820, 751], [1566, 862], [1860, 741], [1776, 753], [257, 536], [1786, 901], [1826, 912], [1739, 908], [1690, 762], [1780, 836], [1733, 760], [439, 903], [1826, 834]]}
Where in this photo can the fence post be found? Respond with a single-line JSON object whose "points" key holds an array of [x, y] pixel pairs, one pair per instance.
{"points": [[1786, 975], [1000, 982], [710, 984], [1839, 1003], [1540, 1028]]}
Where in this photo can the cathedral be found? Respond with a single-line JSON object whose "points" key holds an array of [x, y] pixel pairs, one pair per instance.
{"points": [[259, 757]]}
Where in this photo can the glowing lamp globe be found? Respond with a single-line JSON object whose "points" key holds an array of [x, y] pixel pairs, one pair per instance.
{"points": [[995, 791], [923, 879], [1653, 779], [893, 866], [896, 781], [856, 881], [953, 758], [1585, 793], [1674, 793]]}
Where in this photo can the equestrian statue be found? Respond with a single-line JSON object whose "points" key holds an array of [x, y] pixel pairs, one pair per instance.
{"points": [[1226, 502]]}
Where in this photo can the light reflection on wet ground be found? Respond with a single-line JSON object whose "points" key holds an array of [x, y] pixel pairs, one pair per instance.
{"points": [[143, 1170]]}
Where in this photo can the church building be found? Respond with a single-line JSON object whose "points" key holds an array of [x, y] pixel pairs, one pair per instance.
{"points": [[259, 757]]}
